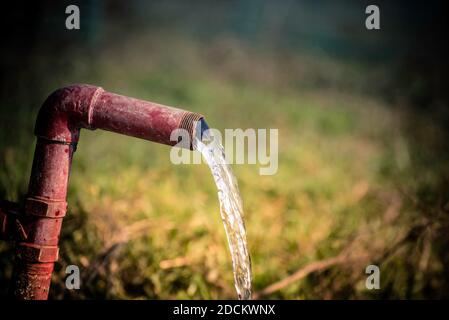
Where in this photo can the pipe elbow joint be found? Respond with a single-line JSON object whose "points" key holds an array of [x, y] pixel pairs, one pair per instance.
{"points": [[65, 111], [68, 109]]}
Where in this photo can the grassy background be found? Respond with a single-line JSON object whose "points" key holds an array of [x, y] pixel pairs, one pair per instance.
{"points": [[358, 171]]}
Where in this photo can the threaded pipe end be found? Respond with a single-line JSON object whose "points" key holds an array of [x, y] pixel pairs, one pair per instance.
{"points": [[189, 122]]}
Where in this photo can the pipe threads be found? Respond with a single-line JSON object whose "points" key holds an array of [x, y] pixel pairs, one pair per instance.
{"points": [[188, 122]]}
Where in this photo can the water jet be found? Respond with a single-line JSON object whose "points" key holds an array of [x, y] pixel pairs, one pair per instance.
{"points": [[35, 225]]}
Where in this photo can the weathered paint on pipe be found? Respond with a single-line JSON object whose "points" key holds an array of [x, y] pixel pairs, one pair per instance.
{"points": [[58, 125], [84, 106]]}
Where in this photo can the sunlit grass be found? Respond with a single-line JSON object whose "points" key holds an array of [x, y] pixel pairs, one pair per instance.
{"points": [[332, 183]]}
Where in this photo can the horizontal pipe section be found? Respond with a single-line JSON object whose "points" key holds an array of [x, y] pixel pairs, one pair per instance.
{"points": [[84, 106], [57, 129]]}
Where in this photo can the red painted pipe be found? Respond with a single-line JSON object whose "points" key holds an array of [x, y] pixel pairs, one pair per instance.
{"points": [[57, 129]]}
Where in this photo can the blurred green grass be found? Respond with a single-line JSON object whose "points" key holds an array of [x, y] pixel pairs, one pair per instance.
{"points": [[140, 227]]}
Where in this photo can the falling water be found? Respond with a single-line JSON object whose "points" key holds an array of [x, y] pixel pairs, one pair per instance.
{"points": [[231, 210]]}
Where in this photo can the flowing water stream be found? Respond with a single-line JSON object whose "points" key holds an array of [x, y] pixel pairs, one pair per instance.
{"points": [[231, 210]]}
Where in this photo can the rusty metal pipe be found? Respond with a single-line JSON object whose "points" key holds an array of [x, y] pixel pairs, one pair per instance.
{"points": [[58, 125]]}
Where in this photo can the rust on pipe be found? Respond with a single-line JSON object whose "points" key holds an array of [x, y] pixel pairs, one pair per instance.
{"points": [[58, 125], [84, 106]]}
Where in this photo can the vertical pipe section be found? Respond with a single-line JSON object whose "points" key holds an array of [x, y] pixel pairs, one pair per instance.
{"points": [[57, 129], [45, 208]]}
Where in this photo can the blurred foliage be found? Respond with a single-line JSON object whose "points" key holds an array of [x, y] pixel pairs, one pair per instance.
{"points": [[355, 165]]}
